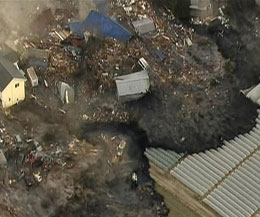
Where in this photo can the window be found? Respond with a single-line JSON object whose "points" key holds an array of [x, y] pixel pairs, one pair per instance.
{"points": [[16, 85]]}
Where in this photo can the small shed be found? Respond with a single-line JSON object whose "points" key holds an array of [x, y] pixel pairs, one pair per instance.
{"points": [[201, 8], [132, 86], [32, 76], [66, 92], [36, 57], [144, 26]]}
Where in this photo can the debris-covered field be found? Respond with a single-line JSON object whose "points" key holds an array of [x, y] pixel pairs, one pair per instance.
{"points": [[72, 148]]}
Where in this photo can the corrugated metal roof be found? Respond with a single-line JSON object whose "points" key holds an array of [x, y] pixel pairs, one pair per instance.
{"points": [[131, 84], [7, 72], [228, 178], [164, 159], [144, 26], [253, 94]]}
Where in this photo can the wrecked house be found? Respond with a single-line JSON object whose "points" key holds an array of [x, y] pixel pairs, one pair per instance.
{"points": [[32, 77], [102, 26], [36, 57], [132, 86], [144, 26], [253, 93], [66, 93], [12, 84], [201, 8]]}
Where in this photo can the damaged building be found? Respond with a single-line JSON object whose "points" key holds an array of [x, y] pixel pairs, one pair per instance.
{"points": [[12, 84], [144, 26], [132, 86]]}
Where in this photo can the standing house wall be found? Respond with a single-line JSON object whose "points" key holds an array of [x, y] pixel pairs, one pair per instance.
{"points": [[13, 93]]}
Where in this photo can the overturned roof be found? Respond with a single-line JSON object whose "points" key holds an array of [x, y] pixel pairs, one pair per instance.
{"points": [[131, 84], [7, 73]]}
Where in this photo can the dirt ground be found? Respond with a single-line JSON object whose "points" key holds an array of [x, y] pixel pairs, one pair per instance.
{"points": [[85, 153]]}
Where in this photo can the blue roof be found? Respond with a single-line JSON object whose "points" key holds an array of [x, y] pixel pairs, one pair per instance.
{"points": [[77, 28], [101, 25]]}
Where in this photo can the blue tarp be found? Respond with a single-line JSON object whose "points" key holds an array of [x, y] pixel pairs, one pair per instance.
{"points": [[102, 26]]}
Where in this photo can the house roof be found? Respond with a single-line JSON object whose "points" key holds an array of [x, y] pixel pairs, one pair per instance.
{"points": [[7, 73], [132, 84]]}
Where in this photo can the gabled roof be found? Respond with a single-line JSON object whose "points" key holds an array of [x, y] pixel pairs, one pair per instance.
{"points": [[7, 73]]}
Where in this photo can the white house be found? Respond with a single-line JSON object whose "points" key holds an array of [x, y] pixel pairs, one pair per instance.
{"points": [[12, 84]]}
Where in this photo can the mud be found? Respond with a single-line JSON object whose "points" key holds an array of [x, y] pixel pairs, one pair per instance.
{"points": [[213, 121]]}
